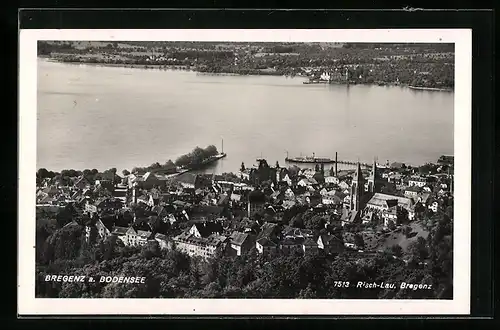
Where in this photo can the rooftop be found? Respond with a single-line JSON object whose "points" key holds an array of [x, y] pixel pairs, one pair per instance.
{"points": [[381, 200], [238, 238]]}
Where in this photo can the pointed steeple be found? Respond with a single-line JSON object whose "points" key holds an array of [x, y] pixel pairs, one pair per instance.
{"points": [[336, 162], [372, 180], [358, 176], [374, 168], [357, 189]]}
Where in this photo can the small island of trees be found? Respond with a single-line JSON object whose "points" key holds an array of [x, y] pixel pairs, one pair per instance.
{"points": [[197, 157]]}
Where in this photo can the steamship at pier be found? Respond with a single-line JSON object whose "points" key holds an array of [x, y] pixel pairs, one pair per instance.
{"points": [[321, 160], [310, 160]]}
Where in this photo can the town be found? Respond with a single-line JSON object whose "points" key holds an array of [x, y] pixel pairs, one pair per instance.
{"points": [[265, 209]]}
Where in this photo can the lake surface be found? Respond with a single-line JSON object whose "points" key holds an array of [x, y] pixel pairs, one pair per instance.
{"points": [[102, 117]]}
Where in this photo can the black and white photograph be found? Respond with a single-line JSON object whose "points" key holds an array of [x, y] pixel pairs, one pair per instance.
{"points": [[208, 169]]}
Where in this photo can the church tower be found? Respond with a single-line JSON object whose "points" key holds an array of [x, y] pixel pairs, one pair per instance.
{"points": [[372, 179], [357, 189]]}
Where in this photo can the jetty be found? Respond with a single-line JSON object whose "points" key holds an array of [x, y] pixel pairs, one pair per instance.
{"points": [[322, 160], [204, 162]]}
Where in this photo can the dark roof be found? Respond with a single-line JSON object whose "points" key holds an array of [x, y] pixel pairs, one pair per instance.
{"points": [[391, 202], [120, 230], [143, 233], [256, 196], [161, 236], [264, 241], [292, 241], [267, 230], [354, 216], [158, 209], [223, 199], [82, 179], [238, 238], [187, 177], [329, 239], [413, 188], [208, 228], [206, 209], [310, 242]]}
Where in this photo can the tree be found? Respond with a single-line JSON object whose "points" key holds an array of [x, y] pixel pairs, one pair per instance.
{"points": [[42, 173], [64, 244], [210, 151], [391, 225], [307, 293], [155, 166]]}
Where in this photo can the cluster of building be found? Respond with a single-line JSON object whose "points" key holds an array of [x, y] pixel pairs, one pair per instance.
{"points": [[205, 214]]}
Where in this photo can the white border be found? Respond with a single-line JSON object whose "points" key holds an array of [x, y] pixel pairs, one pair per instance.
{"points": [[27, 304]]}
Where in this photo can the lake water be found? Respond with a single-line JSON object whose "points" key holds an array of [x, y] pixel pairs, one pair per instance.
{"points": [[102, 117]]}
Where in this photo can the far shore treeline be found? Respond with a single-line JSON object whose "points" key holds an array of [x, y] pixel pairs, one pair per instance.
{"points": [[191, 160], [413, 64]]}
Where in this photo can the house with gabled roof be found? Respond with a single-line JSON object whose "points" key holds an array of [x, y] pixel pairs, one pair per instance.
{"points": [[102, 230], [412, 191], [269, 230], [288, 204], [205, 247], [163, 241], [265, 245], [51, 190], [309, 246], [240, 243], [330, 244], [44, 198], [290, 244], [423, 198], [82, 182], [120, 233], [188, 180], [137, 237], [344, 185], [206, 229], [149, 180], [160, 211]]}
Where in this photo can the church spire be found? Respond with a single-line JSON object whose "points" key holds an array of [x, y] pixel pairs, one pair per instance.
{"points": [[373, 177], [358, 176], [374, 168], [357, 189]]}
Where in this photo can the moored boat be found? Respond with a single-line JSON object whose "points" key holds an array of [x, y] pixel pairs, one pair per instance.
{"points": [[309, 160]]}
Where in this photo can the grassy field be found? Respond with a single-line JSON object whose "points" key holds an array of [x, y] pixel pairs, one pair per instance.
{"points": [[373, 241]]}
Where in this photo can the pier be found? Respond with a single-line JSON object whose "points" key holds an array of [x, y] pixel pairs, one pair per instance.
{"points": [[322, 160], [331, 161]]}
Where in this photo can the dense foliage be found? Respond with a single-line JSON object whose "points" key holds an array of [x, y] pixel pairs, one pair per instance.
{"points": [[169, 274], [197, 156], [420, 65], [65, 177]]}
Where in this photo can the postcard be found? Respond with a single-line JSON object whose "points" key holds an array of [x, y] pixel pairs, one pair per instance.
{"points": [[244, 172]]}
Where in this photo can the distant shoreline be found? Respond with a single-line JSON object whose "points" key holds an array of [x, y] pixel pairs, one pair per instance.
{"points": [[431, 89], [192, 69]]}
